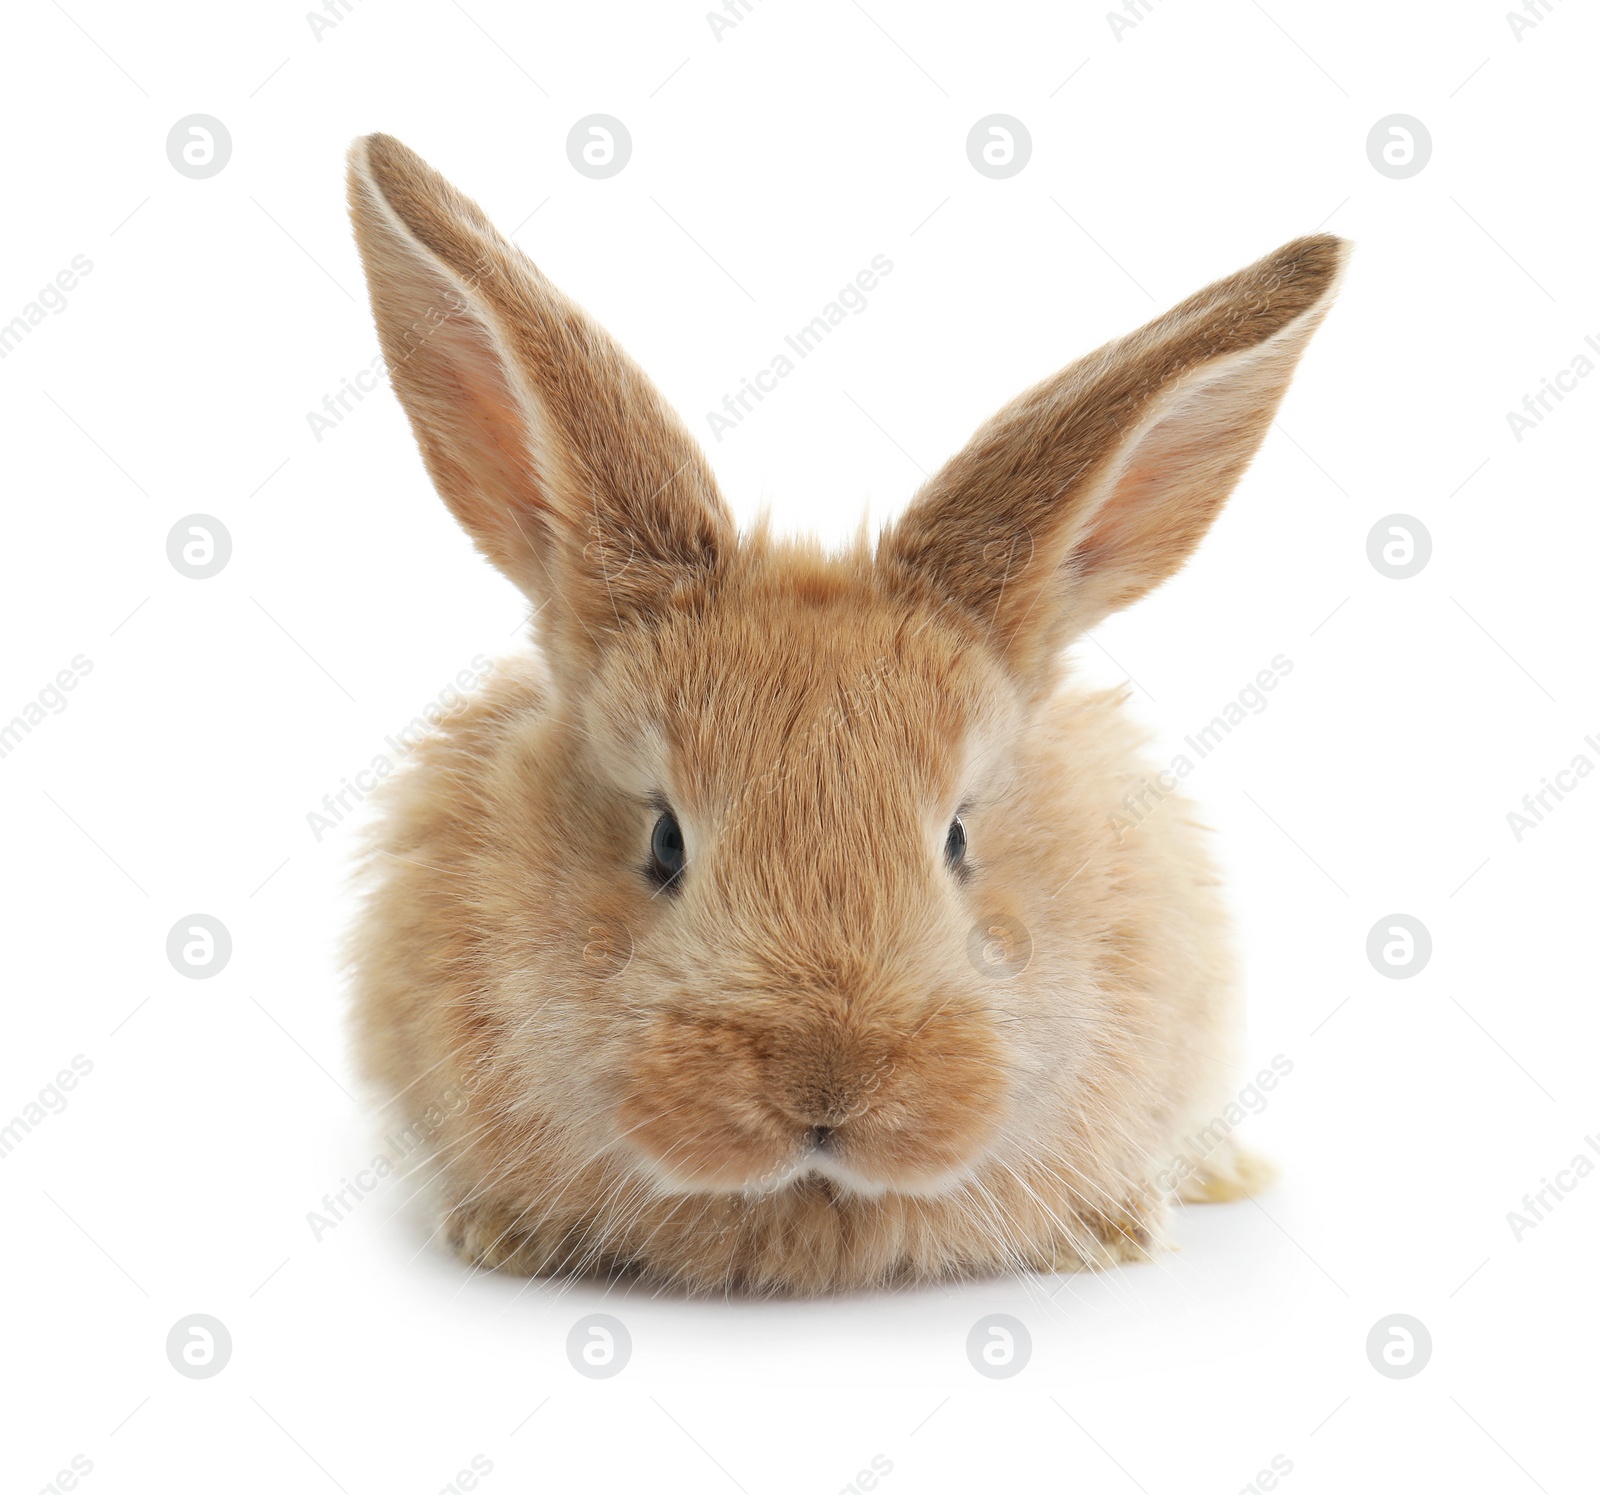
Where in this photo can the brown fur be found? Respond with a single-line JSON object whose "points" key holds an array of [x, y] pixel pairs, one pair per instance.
{"points": [[616, 1076]]}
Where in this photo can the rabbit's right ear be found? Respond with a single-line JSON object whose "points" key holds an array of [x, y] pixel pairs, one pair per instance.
{"points": [[554, 451]]}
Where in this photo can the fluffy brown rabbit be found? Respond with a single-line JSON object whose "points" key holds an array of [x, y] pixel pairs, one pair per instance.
{"points": [[772, 926]]}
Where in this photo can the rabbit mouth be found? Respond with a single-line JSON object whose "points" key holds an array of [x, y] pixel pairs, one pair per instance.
{"points": [[821, 1155], [849, 1180], [851, 1166]]}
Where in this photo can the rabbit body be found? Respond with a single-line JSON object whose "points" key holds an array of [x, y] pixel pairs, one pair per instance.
{"points": [[908, 994]]}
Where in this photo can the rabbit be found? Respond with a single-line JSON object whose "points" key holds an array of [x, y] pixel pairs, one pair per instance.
{"points": [[767, 923]]}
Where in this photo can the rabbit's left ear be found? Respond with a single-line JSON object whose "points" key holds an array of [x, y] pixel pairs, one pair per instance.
{"points": [[1095, 486]]}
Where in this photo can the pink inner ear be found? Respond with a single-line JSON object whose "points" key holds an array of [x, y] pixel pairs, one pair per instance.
{"points": [[502, 450], [475, 426], [1176, 478]]}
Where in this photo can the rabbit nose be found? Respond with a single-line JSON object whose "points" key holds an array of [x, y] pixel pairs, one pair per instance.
{"points": [[820, 1110], [819, 1113], [821, 1080]]}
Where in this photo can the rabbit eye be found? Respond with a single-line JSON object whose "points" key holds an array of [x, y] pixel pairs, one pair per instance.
{"points": [[666, 849], [955, 844]]}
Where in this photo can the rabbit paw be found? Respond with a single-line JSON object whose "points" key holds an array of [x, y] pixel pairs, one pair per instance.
{"points": [[1225, 1173], [1114, 1237], [498, 1238]]}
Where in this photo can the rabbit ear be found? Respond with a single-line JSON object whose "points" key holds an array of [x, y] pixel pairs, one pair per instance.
{"points": [[1094, 486], [550, 446]]}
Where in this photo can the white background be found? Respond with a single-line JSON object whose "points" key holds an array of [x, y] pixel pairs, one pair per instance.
{"points": [[768, 168]]}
